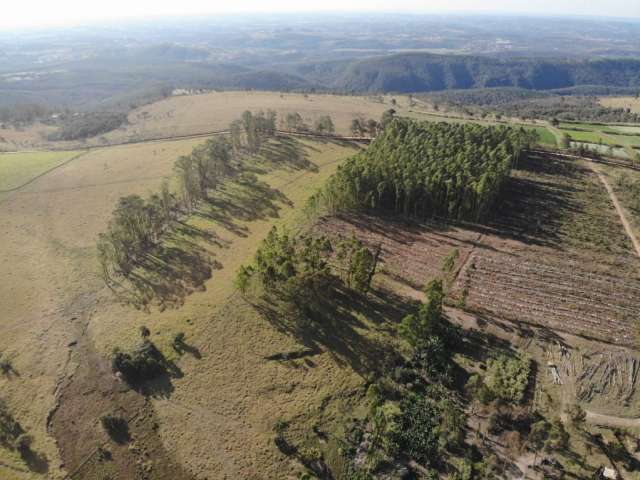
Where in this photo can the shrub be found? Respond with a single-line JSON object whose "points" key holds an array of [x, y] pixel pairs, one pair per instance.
{"points": [[576, 414], [144, 363], [178, 341], [116, 426], [23, 443], [5, 366], [508, 377]]}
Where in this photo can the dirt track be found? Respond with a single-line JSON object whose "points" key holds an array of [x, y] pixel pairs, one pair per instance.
{"points": [[616, 204]]}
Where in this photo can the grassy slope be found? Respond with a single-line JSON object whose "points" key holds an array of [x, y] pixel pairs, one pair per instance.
{"points": [[18, 168], [48, 233], [231, 388]]}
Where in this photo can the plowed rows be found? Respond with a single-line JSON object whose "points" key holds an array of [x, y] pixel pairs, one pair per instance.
{"points": [[411, 254], [562, 296]]}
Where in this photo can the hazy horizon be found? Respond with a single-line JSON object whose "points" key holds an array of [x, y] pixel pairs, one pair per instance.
{"points": [[31, 14]]}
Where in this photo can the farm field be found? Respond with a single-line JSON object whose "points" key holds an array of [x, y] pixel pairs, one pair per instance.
{"points": [[193, 114], [544, 280]]}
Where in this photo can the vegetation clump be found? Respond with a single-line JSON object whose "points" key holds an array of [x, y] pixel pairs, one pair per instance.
{"points": [[146, 362], [426, 169], [116, 426], [507, 378]]}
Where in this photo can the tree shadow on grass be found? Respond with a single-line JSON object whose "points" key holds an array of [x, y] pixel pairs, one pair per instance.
{"points": [[537, 199], [171, 272], [335, 324], [285, 153], [36, 462]]}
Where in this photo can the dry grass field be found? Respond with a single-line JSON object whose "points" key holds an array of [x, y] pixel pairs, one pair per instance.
{"points": [[189, 114], [48, 231], [632, 103], [58, 319]]}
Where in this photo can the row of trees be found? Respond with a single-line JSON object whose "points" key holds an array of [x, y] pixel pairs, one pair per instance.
{"points": [[371, 127], [294, 122], [424, 169], [137, 224]]}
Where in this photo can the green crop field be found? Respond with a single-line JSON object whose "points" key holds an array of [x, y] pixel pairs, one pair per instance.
{"points": [[545, 136], [18, 168]]}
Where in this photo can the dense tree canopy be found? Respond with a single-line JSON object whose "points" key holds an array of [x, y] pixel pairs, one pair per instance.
{"points": [[427, 169]]}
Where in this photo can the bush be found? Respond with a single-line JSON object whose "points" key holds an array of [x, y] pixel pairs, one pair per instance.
{"points": [[508, 377], [144, 363], [116, 426], [5, 366], [23, 443]]}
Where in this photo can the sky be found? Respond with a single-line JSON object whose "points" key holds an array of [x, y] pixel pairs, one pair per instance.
{"points": [[37, 13]]}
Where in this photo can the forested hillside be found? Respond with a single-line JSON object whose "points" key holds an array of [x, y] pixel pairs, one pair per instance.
{"points": [[426, 169], [417, 72]]}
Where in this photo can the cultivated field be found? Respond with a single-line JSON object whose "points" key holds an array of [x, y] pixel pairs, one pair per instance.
{"points": [[193, 114]]}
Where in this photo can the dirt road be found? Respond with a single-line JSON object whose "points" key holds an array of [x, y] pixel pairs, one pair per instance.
{"points": [[616, 204]]}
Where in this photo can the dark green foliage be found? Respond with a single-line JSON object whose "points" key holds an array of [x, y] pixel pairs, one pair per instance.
{"points": [[426, 169], [85, 125], [290, 267], [257, 127], [178, 341], [144, 332], [428, 425], [144, 363], [418, 436], [5, 366], [424, 72], [508, 377], [356, 263], [420, 327], [138, 224], [324, 125], [116, 426], [295, 123]]}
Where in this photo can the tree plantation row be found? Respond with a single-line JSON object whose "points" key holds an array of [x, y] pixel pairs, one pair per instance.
{"points": [[427, 169], [137, 224]]}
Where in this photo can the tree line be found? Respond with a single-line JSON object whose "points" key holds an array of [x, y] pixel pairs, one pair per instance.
{"points": [[427, 169], [137, 224]]}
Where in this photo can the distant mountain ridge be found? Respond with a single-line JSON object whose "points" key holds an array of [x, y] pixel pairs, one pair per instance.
{"points": [[420, 72]]}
